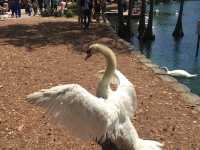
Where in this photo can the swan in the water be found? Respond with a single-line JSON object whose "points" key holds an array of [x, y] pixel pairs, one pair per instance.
{"points": [[105, 116], [179, 73], [176, 13], [157, 10]]}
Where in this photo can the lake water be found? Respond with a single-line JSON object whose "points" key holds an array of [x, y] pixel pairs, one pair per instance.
{"points": [[165, 51]]}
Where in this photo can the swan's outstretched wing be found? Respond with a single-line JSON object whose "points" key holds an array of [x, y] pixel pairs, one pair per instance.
{"points": [[127, 93], [75, 108]]}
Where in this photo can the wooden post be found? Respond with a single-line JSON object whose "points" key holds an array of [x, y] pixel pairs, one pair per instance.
{"points": [[198, 39]]}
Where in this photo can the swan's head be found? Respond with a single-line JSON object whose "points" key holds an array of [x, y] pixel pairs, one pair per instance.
{"points": [[104, 50], [93, 49], [164, 68]]}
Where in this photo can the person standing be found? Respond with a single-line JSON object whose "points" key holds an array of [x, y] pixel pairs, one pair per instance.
{"points": [[79, 11], [62, 6], [97, 10], [35, 6], [103, 10], [100, 9], [29, 7], [11, 4], [86, 6], [54, 5], [40, 4], [17, 8], [90, 10]]}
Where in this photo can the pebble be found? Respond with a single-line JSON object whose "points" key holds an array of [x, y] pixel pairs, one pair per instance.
{"points": [[20, 127], [194, 121]]}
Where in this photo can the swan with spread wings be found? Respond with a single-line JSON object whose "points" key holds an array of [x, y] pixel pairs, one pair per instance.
{"points": [[104, 116]]}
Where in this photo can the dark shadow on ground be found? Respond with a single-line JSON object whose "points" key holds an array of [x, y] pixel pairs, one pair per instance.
{"points": [[33, 37], [50, 33]]}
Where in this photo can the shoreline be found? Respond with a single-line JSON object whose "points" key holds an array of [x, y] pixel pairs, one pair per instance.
{"points": [[185, 92]]}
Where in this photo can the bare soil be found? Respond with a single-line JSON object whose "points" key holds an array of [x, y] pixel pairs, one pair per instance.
{"points": [[38, 53]]}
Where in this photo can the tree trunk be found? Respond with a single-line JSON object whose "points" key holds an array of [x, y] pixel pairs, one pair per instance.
{"points": [[149, 31], [198, 38], [197, 49], [178, 31], [141, 27], [120, 17]]}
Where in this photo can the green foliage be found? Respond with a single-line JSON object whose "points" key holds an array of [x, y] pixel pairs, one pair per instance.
{"points": [[58, 14], [69, 13]]}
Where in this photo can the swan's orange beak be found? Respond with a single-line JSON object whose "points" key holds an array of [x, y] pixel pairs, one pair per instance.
{"points": [[89, 54]]}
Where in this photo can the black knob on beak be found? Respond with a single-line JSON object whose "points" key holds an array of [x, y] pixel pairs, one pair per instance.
{"points": [[89, 54]]}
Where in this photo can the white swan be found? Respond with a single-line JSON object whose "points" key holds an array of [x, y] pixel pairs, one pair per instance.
{"points": [[157, 10], [179, 73], [99, 118]]}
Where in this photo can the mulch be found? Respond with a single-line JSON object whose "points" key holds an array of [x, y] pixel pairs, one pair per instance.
{"points": [[38, 53]]}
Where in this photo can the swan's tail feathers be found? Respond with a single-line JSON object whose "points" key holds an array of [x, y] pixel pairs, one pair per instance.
{"points": [[148, 145]]}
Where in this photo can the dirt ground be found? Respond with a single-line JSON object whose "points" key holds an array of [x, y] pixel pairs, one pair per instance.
{"points": [[38, 53]]}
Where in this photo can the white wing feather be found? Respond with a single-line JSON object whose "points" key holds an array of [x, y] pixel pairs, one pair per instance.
{"points": [[73, 107], [127, 94]]}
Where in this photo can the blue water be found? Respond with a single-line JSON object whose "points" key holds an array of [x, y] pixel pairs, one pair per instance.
{"points": [[165, 51]]}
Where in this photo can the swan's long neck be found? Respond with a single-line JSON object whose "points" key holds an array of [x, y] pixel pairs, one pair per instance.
{"points": [[103, 86]]}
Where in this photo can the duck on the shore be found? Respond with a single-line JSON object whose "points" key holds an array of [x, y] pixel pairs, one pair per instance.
{"points": [[104, 117], [179, 73]]}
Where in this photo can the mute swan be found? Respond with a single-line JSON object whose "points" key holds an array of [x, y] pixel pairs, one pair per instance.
{"points": [[179, 73], [106, 116], [157, 10]]}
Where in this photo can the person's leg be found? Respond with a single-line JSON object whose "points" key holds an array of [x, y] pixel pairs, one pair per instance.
{"points": [[35, 10], [40, 3], [56, 6], [87, 18], [12, 10], [84, 18], [15, 9], [103, 10], [90, 15], [19, 9], [30, 10], [98, 13], [81, 18]]}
